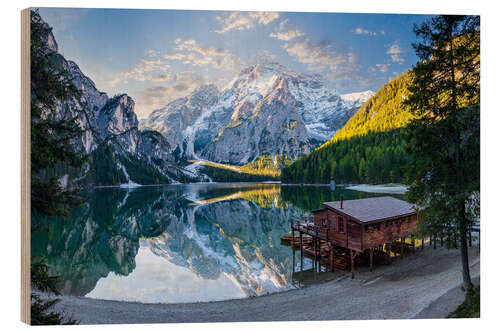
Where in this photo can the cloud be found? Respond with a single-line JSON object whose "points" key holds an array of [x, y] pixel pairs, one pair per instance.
{"points": [[284, 34], [113, 81], [151, 53], [245, 20], [395, 52], [148, 70], [199, 55], [263, 56], [178, 85], [362, 31], [156, 67], [383, 67], [176, 56], [287, 35], [321, 56]]}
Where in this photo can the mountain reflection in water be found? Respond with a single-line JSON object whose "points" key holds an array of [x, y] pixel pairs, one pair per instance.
{"points": [[179, 243]]}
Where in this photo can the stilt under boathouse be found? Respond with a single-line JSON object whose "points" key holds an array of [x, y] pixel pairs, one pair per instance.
{"points": [[343, 232]]}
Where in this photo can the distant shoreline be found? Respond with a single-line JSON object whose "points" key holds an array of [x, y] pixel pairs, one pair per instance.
{"points": [[379, 188]]}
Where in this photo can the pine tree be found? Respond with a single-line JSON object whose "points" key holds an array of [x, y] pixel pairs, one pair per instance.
{"points": [[51, 138], [443, 140], [51, 148]]}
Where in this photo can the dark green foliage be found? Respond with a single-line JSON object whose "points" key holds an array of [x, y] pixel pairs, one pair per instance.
{"points": [[40, 279], [309, 198], [41, 314], [371, 158], [444, 137], [471, 307], [40, 307], [50, 137], [142, 172], [51, 150], [104, 163]]}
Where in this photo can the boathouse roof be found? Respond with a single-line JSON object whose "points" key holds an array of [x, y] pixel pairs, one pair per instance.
{"points": [[372, 209]]}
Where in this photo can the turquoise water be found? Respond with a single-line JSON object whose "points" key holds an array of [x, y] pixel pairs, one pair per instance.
{"points": [[180, 243]]}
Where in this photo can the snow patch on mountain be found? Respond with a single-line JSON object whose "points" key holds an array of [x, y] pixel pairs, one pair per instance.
{"points": [[266, 109]]}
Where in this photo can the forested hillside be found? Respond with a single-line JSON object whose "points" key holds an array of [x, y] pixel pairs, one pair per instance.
{"points": [[368, 149], [371, 158], [382, 112]]}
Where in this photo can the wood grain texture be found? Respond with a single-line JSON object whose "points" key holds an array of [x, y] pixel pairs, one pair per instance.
{"points": [[25, 167], [362, 236]]}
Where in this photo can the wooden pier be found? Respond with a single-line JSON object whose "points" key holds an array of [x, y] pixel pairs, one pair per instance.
{"points": [[355, 232]]}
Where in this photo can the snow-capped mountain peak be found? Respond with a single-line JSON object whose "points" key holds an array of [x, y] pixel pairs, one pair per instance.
{"points": [[266, 109]]}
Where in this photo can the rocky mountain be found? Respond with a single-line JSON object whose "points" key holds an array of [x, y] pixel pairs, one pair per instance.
{"points": [[118, 151], [266, 110]]}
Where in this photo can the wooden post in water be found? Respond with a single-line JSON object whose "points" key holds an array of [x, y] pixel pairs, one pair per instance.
{"points": [[371, 259], [301, 250], [316, 252], [332, 264], [352, 265], [389, 251], [403, 239], [413, 243]]}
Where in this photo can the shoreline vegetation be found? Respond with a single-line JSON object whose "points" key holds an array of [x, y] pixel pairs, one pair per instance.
{"points": [[373, 292], [369, 188]]}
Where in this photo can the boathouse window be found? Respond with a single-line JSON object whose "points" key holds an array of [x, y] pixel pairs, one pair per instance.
{"points": [[340, 226], [323, 223], [367, 229]]}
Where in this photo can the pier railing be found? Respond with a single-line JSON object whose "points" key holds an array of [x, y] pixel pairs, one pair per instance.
{"points": [[309, 228]]}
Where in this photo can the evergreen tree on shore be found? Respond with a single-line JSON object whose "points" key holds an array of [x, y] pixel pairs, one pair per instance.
{"points": [[51, 148], [50, 137], [443, 138]]}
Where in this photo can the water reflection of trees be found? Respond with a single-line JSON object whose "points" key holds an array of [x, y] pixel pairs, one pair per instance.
{"points": [[309, 198], [238, 236], [211, 230]]}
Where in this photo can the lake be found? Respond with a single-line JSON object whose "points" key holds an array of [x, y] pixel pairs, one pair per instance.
{"points": [[181, 243]]}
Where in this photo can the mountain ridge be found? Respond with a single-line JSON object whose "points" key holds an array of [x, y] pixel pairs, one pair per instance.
{"points": [[119, 153], [368, 149], [289, 112]]}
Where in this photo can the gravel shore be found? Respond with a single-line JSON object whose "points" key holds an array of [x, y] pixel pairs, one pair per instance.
{"points": [[421, 285], [383, 188]]}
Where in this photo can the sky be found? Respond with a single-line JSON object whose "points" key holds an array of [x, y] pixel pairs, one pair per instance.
{"points": [[156, 56]]}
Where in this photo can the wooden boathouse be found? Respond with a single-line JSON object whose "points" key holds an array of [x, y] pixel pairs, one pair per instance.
{"points": [[342, 231]]}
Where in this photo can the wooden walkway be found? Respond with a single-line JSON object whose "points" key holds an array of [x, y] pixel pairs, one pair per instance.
{"points": [[315, 242]]}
